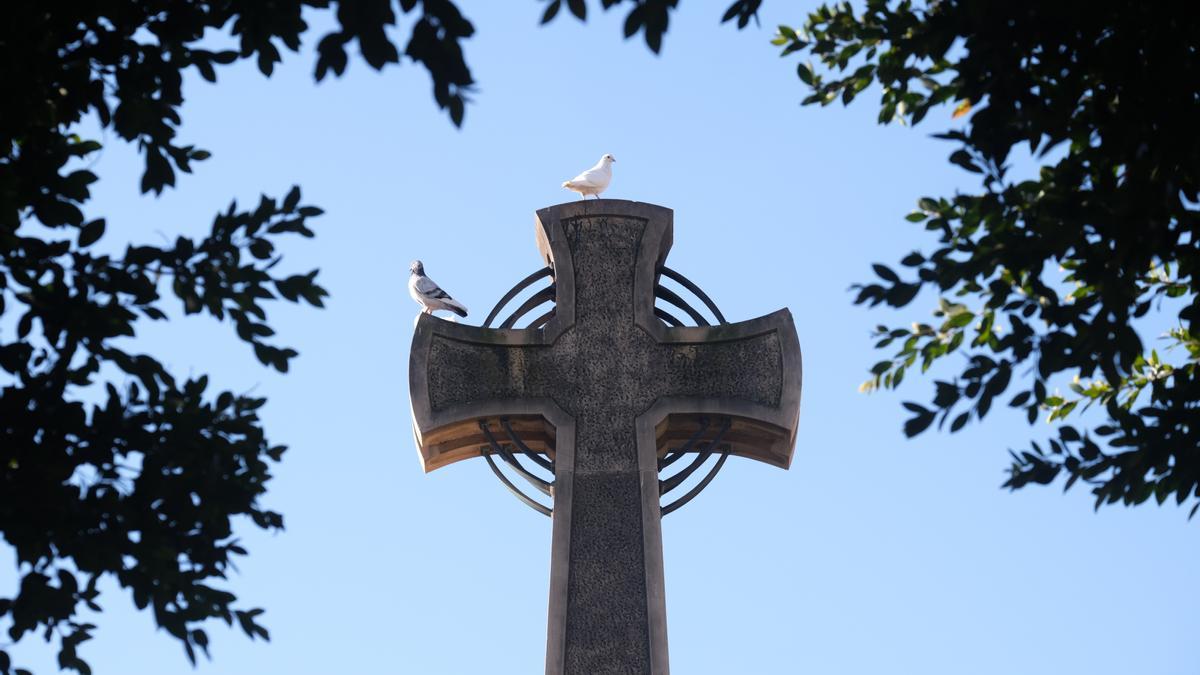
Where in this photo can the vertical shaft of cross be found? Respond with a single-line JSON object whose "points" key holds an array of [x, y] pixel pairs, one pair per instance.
{"points": [[607, 614]]}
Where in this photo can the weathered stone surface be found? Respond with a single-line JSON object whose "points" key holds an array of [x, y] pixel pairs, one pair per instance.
{"points": [[605, 371]]}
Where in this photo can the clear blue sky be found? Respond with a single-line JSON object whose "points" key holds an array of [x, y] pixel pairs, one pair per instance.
{"points": [[873, 554]]}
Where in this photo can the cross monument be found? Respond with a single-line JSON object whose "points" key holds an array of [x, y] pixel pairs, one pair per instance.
{"points": [[599, 393]]}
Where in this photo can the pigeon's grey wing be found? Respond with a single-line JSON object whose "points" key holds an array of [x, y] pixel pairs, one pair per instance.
{"points": [[426, 287]]}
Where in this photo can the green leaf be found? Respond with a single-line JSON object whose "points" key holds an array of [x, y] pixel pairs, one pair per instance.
{"points": [[206, 69], [963, 159], [917, 424], [1019, 400], [805, 72], [292, 199], [960, 319], [261, 249], [25, 325], [91, 232], [885, 273]]}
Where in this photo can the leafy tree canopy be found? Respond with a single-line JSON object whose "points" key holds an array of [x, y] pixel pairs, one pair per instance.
{"points": [[1038, 278], [1042, 279], [144, 485]]}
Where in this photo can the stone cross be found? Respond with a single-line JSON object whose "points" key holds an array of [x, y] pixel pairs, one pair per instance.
{"points": [[606, 377]]}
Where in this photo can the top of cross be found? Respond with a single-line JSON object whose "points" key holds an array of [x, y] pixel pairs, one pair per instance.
{"points": [[606, 256]]}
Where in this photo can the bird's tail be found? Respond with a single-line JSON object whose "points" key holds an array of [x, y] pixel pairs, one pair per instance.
{"points": [[566, 183], [456, 307]]}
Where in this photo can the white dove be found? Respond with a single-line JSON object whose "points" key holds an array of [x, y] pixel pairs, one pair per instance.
{"points": [[428, 294], [593, 181]]}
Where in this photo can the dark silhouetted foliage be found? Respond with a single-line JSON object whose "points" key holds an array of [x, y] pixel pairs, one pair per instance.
{"points": [[1041, 279], [144, 485], [1038, 278]]}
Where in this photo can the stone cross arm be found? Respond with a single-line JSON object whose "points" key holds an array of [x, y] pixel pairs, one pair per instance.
{"points": [[471, 374]]}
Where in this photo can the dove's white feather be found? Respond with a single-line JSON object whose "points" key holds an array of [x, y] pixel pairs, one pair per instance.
{"points": [[593, 181], [592, 178]]}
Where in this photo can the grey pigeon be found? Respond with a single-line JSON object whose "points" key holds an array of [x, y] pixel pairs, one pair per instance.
{"points": [[428, 294], [593, 181]]}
